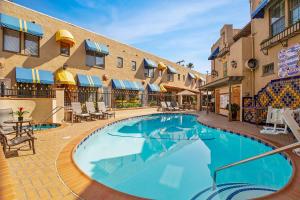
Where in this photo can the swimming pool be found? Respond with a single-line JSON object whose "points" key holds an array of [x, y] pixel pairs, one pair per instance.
{"points": [[46, 126], [172, 156]]}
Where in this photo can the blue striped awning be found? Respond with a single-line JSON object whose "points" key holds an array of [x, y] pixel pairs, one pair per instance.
{"points": [[260, 10], [24, 75], [96, 47], [89, 81], [214, 54], [17, 24], [127, 85], [153, 87], [192, 76], [149, 63], [171, 70]]}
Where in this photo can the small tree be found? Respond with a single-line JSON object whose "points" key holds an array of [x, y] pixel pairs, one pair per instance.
{"points": [[190, 65]]}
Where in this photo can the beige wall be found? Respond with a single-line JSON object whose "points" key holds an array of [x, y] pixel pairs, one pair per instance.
{"points": [[260, 27], [50, 59], [38, 108]]}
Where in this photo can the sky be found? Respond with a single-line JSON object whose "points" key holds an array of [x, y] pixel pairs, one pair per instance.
{"points": [[172, 29]]}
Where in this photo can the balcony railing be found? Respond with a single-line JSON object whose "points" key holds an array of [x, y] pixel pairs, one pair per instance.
{"points": [[281, 37], [223, 51]]}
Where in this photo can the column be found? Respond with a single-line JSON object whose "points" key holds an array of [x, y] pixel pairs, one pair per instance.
{"points": [[59, 112], [198, 102], [207, 102], [229, 104], [180, 100]]}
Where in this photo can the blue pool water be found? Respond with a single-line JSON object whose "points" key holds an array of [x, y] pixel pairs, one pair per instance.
{"points": [[40, 127], [172, 156]]}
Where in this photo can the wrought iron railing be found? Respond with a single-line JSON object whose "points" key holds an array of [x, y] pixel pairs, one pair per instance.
{"points": [[28, 93], [280, 37], [223, 51]]}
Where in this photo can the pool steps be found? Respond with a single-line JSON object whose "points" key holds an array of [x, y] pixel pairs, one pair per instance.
{"points": [[233, 191]]}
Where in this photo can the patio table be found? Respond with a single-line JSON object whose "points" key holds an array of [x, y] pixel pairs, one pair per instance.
{"points": [[19, 125]]}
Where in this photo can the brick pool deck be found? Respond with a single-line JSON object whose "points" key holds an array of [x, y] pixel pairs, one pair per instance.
{"points": [[36, 176]]}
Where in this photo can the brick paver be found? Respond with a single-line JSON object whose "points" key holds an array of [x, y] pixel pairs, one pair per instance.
{"points": [[36, 177]]}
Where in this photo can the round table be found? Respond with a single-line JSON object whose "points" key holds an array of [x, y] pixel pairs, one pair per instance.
{"points": [[19, 124]]}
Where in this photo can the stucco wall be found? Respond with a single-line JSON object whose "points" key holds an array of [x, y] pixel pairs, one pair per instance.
{"points": [[38, 108], [50, 58], [260, 27]]}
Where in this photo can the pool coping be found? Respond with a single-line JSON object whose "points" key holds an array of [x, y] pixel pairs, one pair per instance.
{"points": [[85, 187]]}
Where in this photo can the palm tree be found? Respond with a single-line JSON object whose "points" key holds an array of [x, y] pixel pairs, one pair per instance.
{"points": [[190, 65]]}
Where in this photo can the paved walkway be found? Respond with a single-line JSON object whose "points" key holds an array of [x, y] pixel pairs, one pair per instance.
{"points": [[36, 175]]}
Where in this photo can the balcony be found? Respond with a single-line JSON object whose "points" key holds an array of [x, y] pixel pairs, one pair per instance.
{"points": [[280, 38], [223, 52]]}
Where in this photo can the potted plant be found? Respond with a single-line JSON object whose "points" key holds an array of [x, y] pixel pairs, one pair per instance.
{"points": [[20, 112], [235, 108]]}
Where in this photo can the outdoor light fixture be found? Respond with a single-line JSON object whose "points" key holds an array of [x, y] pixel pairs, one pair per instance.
{"points": [[65, 66], [214, 73], [284, 43], [234, 64], [265, 51]]}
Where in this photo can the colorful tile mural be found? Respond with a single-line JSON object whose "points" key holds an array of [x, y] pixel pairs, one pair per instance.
{"points": [[279, 93]]}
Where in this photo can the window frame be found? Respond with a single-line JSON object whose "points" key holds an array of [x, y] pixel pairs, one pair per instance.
{"points": [[291, 9], [60, 47], [279, 19], [20, 41], [170, 77], [120, 58], [38, 42], [264, 73], [94, 55], [225, 69], [133, 62], [147, 74]]}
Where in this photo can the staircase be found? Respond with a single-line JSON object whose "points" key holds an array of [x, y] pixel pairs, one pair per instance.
{"points": [[233, 191]]}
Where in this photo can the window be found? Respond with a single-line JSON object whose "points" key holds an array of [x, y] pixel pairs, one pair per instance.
{"points": [[277, 18], [119, 62], [64, 49], [133, 65], [225, 69], [268, 69], [170, 77], [178, 77], [149, 73], [31, 45], [11, 40], [95, 59], [294, 11], [160, 73], [183, 77]]}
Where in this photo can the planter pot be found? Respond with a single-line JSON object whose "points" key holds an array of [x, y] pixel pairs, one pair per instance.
{"points": [[20, 119], [234, 115]]}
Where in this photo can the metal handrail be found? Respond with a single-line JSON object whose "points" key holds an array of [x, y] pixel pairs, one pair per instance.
{"points": [[275, 151], [53, 111]]}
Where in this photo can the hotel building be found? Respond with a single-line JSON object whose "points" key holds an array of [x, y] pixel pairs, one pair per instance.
{"points": [[261, 59], [39, 53]]}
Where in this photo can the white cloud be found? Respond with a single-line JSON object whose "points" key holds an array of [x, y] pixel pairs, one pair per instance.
{"points": [[158, 19]]}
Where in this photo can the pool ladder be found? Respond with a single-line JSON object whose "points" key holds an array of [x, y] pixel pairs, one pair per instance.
{"points": [[275, 151]]}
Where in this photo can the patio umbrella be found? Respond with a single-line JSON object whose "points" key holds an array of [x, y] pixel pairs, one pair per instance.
{"points": [[186, 93]]}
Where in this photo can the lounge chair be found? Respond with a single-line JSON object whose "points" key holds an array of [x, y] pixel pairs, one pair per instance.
{"points": [[175, 106], [103, 109], [77, 112], [170, 107], [274, 117], [6, 114], [10, 143], [92, 111], [288, 118], [164, 106]]}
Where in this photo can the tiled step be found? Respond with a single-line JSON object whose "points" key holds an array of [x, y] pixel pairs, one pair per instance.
{"points": [[233, 191]]}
